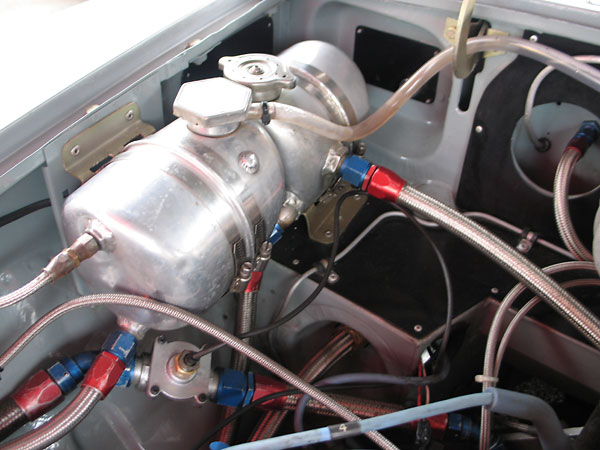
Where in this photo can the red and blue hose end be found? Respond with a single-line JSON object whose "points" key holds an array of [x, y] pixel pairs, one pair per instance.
{"points": [[378, 181]]}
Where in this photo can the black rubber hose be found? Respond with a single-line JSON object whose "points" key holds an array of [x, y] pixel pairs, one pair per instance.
{"points": [[24, 211], [590, 435], [11, 417]]}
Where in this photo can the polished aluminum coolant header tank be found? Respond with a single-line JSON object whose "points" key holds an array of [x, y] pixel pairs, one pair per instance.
{"points": [[177, 213], [184, 211]]}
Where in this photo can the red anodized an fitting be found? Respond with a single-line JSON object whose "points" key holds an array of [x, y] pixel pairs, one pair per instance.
{"points": [[38, 395], [265, 386], [104, 373], [254, 283], [383, 183]]}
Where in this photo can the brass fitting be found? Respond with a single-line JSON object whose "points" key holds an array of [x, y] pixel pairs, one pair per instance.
{"points": [[181, 368], [84, 247]]}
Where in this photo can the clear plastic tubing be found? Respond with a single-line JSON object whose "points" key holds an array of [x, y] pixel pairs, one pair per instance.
{"points": [[580, 71], [588, 59]]}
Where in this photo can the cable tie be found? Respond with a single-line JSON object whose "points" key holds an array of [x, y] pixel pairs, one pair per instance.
{"points": [[486, 379], [266, 117]]}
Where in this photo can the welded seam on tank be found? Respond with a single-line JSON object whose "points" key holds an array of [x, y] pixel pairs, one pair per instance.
{"points": [[214, 181]]}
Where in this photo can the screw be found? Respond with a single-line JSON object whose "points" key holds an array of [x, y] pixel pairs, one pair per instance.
{"points": [[249, 162], [255, 69], [328, 233], [295, 262], [75, 150], [155, 390], [5, 277], [161, 340], [202, 398], [333, 278], [533, 38], [495, 290], [418, 328], [478, 129], [361, 149], [129, 115]]}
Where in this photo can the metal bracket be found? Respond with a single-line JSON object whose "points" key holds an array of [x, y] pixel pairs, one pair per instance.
{"points": [[319, 217], [88, 152], [456, 32], [526, 241]]}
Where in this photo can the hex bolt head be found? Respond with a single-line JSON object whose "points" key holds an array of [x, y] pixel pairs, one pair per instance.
{"points": [[333, 278], [249, 162]]}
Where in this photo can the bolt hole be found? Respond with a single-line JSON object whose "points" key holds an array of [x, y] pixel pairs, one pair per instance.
{"points": [[155, 390]]}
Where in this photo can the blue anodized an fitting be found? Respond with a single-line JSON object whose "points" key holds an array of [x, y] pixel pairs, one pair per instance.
{"points": [[276, 234], [127, 376], [354, 169], [68, 372], [121, 344], [235, 388]]}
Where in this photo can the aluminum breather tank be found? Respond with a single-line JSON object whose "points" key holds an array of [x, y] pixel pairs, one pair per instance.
{"points": [[178, 212]]}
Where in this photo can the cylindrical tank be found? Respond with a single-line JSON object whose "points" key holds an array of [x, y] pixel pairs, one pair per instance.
{"points": [[184, 212], [329, 84], [186, 209]]}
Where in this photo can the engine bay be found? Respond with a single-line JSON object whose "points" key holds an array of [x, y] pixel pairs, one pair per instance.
{"points": [[336, 224]]}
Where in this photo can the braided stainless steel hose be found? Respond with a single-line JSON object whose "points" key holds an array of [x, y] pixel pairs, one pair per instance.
{"points": [[60, 424], [23, 292], [507, 257], [337, 348], [494, 335], [361, 407], [198, 323], [84, 247], [524, 311], [561, 205], [245, 321]]}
